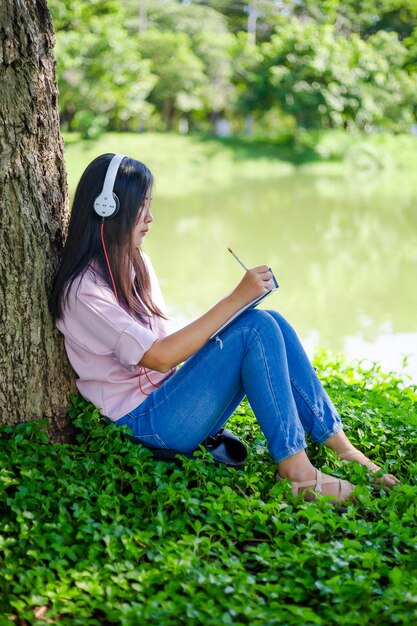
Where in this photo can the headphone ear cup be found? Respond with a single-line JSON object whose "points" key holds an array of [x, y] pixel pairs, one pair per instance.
{"points": [[105, 208], [117, 207]]}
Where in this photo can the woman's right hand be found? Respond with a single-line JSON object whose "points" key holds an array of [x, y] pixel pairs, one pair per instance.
{"points": [[254, 283], [173, 349]]}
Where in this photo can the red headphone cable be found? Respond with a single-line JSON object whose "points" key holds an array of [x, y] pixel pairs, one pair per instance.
{"points": [[142, 370]]}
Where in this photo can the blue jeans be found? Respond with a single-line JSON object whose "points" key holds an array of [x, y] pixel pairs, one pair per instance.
{"points": [[259, 355]]}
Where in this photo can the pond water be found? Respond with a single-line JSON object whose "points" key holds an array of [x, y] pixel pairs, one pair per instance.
{"points": [[344, 251]]}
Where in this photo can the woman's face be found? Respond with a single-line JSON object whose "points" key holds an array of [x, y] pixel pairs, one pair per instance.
{"points": [[144, 220]]}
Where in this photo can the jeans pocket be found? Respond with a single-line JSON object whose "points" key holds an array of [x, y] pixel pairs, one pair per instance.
{"points": [[150, 441]]}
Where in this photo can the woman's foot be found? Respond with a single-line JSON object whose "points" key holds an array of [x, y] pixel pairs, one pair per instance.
{"points": [[346, 451], [356, 455], [309, 481], [324, 485]]}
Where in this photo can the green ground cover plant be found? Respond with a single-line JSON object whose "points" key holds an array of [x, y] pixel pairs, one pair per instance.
{"points": [[96, 532]]}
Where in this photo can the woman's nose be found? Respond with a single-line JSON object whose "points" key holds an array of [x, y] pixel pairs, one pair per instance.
{"points": [[149, 218]]}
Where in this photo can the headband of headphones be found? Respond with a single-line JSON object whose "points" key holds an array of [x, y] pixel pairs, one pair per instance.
{"points": [[107, 204]]}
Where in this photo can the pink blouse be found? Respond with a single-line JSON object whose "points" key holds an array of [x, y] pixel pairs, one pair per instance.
{"points": [[104, 344]]}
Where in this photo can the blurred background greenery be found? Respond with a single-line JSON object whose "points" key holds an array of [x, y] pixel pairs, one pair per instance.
{"points": [[259, 66], [286, 130]]}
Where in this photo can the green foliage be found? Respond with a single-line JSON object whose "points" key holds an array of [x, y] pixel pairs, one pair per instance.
{"points": [[102, 78], [362, 16], [330, 64], [194, 70], [179, 72], [326, 80], [176, 17], [97, 532]]}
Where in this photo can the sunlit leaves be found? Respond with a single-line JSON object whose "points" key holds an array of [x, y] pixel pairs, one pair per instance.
{"points": [[326, 79], [102, 78]]}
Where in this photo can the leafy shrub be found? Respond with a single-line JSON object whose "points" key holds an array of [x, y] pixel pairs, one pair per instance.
{"points": [[90, 125], [97, 532]]}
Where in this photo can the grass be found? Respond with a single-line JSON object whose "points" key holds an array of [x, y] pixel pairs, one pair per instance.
{"points": [[181, 164], [185, 164], [96, 532]]}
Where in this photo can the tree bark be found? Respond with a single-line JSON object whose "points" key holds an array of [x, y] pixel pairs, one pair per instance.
{"points": [[35, 376]]}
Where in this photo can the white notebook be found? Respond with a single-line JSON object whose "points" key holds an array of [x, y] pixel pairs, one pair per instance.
{"points": [[251, 305]]}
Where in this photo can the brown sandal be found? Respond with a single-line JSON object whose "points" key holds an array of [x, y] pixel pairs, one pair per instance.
{"points": [[311, 488], [378, 480]]}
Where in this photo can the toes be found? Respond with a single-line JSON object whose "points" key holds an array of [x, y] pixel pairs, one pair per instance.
{"points": [[387, 479]]}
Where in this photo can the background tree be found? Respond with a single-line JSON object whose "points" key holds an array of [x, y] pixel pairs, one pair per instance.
{"points": [[312, 64], [34, 374], [102, 79], [364, 17], [326, 79], [180, 73], [249, 15], [213, 93]]}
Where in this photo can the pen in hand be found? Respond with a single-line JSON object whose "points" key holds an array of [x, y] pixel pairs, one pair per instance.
{"points": [[237, 259], [274, 280]]}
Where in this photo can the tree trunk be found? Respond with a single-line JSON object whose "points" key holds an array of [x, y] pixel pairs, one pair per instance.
{"points": [[168, 114], [34, 373]]}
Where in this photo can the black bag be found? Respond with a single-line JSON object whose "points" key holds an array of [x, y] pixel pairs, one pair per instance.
{"points": [[224, 447]]}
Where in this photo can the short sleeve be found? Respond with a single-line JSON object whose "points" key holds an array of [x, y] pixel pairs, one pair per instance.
{"points": [[96, 322]]}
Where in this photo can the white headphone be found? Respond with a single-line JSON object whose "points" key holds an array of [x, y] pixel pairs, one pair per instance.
{"points": [[107, 204]]}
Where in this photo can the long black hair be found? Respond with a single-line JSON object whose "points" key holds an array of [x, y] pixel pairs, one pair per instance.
{"points": [[83, 243]]}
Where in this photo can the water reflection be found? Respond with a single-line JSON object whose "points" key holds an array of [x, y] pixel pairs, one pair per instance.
{"points": [[344, 252]]}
